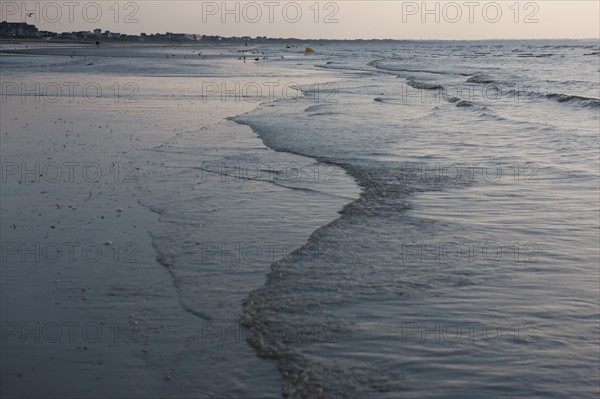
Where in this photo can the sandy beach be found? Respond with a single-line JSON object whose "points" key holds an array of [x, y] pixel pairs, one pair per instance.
{"points": [[93, 305]]}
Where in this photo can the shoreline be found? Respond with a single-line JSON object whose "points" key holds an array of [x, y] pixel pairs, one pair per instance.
{"points": [[167, 342]]}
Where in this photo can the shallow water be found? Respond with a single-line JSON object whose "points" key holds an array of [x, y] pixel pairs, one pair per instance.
{"points": [[469, 265]]}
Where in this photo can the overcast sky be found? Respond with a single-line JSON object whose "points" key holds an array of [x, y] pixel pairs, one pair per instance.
{"points": [[346, 19]]}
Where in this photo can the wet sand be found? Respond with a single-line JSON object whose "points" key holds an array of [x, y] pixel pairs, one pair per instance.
{"points": [[92, 306]]}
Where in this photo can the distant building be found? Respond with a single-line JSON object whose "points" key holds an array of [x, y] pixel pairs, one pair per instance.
{"points": [[97, 32], [83, 34], [207, 38], [17, 29]]}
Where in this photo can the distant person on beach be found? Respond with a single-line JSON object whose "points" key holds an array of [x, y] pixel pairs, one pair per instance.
{"points": [[98, 43]]}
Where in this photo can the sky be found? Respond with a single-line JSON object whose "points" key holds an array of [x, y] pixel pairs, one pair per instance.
{"points": [[310, 19]]}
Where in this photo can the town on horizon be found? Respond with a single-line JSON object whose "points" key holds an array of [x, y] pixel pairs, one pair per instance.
{"points": [[23, 30]]}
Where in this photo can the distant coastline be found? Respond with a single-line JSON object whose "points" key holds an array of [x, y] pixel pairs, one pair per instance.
{"points": [[21, 31]]}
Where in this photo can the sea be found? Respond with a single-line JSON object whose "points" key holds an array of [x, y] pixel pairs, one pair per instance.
{"points": [[468, 266], [381, 219]]}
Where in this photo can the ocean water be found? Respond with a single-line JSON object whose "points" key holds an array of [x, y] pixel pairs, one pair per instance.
{"points": [[469, 264], [464, 258], [404, 219]]}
